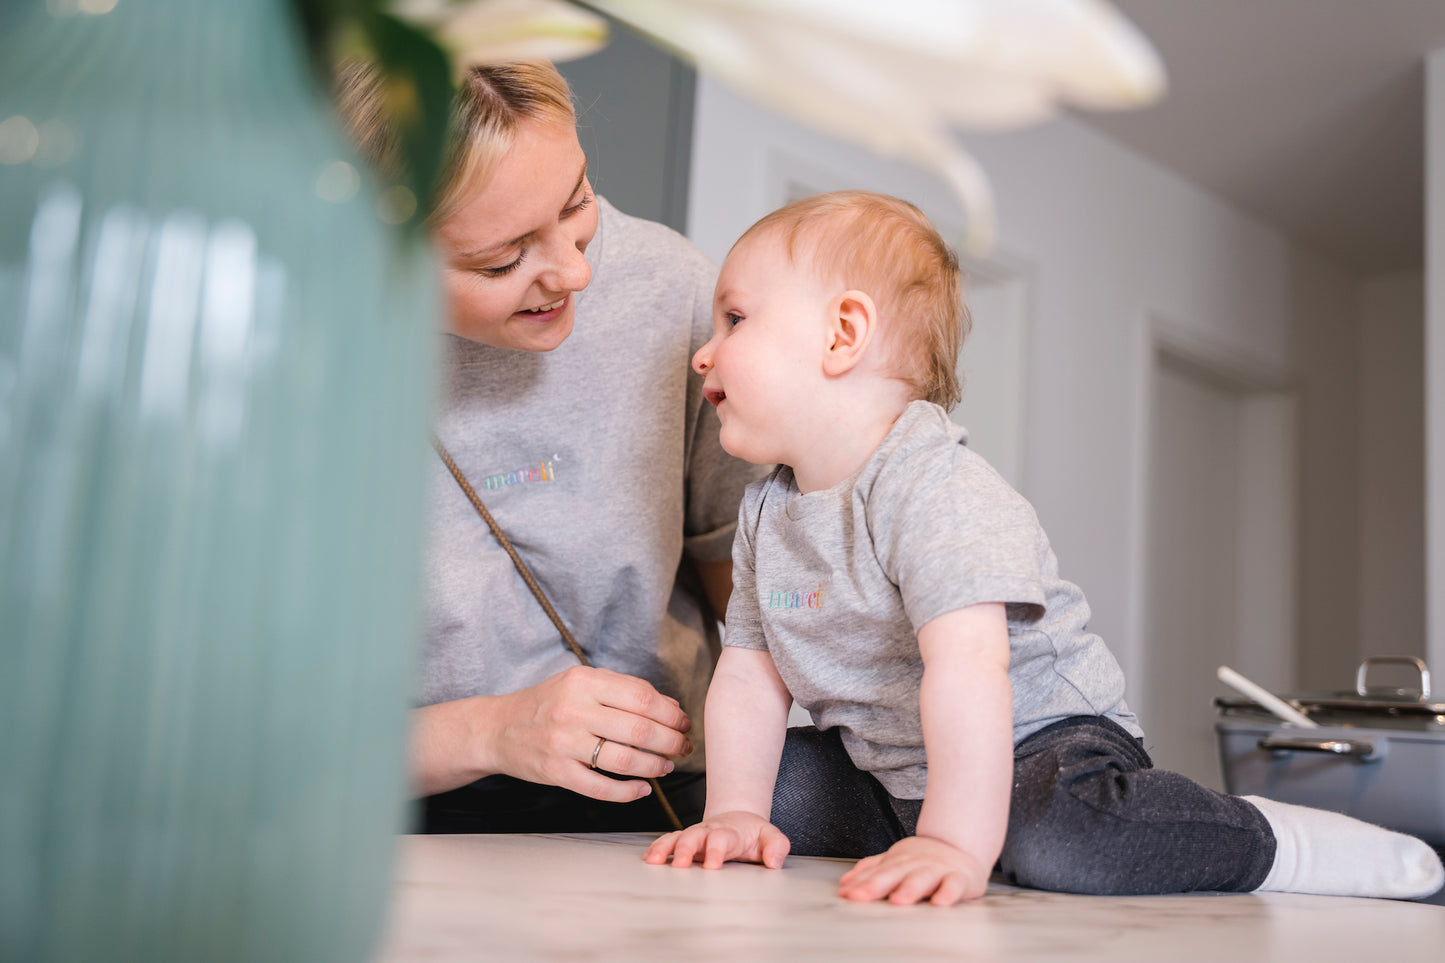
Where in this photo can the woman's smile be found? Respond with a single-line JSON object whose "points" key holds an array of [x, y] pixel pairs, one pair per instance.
{"points": [[546, 312]]}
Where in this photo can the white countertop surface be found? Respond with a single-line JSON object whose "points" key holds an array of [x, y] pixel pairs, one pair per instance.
{"points": [[591, 897]]}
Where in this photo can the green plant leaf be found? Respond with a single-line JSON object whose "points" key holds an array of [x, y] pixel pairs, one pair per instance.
{"points": [[417, 82]]}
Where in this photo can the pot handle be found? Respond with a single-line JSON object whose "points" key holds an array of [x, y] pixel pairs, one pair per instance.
{"points": [[1362, 688], [1355, 748]]}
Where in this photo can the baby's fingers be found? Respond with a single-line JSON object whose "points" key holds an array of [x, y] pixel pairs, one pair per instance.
{"points": [[871, 879], [661, 848], [773, 847], [950, 890], [918, 884], [861, 868], [691, 842], [721, 846]]}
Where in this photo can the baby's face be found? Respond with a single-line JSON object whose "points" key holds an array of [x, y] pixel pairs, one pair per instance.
{"points": [[769, 336]]}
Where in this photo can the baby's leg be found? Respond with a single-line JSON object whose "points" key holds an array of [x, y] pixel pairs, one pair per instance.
{"points": [[825, 805], [1089, 814], [1331, 854]]}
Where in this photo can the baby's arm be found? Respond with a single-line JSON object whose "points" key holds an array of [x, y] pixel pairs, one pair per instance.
{"points": [[746, 721], [967, 708]]}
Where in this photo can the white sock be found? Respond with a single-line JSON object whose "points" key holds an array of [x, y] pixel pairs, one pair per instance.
{"points": [[1330, 854]]}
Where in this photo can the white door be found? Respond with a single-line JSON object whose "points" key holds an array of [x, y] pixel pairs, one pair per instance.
{"points": [[993, 368], [1219, 563]]}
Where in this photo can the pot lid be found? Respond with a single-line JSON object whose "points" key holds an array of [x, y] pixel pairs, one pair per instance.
{"points": [[1367, 699]]}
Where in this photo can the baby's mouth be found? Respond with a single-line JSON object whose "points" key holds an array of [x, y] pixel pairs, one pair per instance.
{"points": [[714, 395]]}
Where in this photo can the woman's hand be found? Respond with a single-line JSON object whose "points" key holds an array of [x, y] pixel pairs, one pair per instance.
{"points": [[913, 869], [548, 734], [736, 835]]}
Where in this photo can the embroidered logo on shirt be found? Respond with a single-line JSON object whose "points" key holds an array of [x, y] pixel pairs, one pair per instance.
{"points": [[796, 600], [544, 472]]}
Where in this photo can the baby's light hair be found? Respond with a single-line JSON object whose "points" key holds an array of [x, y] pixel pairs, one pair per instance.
{"points": [[887, 248]]}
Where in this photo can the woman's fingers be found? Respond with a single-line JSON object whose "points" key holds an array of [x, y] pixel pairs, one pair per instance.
{"points": [[598, 786], [641, 726], [637, 697], [621, 708], [579, 727], [629, 736], [623, 760]]}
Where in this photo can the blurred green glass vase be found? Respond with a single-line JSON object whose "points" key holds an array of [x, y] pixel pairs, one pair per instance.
{"points": [[215, 377]]}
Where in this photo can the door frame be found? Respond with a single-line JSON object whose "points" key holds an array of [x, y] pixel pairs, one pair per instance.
{"points": [[1269, 488]]}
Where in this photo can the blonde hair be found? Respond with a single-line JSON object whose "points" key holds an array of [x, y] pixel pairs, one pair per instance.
{"points": [[887, 248], [492, 101]]}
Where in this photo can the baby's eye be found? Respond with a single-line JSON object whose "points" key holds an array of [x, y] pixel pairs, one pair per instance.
{"points": [[732, 318]]}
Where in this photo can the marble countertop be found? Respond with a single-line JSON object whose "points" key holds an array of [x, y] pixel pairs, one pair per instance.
{"points": [[591, 897]]}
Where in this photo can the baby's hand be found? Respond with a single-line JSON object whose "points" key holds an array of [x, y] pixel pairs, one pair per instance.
{"points": [[913, 869], [732, 835]]}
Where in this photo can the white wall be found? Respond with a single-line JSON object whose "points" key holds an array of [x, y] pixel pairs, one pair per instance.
{"points": [[1110, 241], [1328, 382], [1392, 465]]}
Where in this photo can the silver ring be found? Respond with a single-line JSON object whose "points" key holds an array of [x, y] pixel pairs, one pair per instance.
{"points": [[600, 743]]}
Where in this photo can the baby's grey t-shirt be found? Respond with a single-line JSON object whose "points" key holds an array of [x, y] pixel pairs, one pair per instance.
{"points": [[835, 585]]}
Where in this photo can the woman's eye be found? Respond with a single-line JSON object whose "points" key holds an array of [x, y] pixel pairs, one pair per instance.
{"points": [[579, 207], [505, 269]]}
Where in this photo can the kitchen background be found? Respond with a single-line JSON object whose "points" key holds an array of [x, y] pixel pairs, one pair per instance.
{"points": [[1201, 342]]}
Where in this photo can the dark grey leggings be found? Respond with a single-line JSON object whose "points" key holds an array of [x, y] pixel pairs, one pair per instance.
{"points": [[1089, 814]]}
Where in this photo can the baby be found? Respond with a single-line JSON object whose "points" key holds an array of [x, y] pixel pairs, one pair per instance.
{"points": [[892, 583]]}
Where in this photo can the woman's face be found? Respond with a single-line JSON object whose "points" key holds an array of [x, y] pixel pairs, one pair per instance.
{"points": [[512, 255]]}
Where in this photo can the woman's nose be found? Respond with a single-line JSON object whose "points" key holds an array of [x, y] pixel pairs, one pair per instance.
{"points": [[569, 270]]}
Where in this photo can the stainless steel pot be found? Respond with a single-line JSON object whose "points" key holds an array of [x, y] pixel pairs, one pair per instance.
{"points": [[1378, 754]]}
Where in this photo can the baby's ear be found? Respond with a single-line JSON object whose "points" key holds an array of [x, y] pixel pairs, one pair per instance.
{"points": [[852, 323]]}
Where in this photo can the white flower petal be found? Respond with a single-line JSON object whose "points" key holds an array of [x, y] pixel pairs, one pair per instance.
{"points": [[495, 31], [877, 113], [894, 75], [1083, 49]]}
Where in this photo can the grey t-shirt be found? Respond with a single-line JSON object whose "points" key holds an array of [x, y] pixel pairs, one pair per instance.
{"points": [[600, 461], [835, 585]]}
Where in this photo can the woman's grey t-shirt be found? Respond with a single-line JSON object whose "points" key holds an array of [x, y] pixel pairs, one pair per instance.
{"points": [[600, 461], [835, 585]]}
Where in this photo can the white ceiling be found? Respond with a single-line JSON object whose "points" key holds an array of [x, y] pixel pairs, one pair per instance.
{"points": [[1308, 114]]}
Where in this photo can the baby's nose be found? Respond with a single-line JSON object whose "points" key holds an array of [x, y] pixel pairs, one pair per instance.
{"points": [[703, 359]]}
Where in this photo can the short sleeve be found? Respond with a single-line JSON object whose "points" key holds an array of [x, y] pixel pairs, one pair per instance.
{"points": [[744, 625], [951, 533]]}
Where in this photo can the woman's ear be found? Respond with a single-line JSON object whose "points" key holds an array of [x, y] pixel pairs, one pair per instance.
{"points": [[852, 323]]}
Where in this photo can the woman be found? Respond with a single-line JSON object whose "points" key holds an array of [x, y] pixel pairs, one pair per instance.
{"points": [[571, 410]]}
